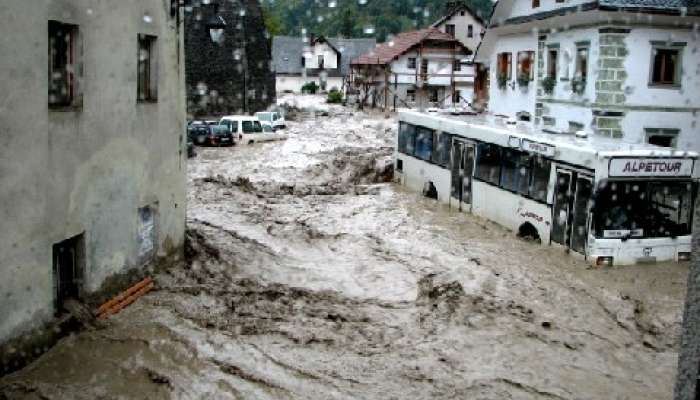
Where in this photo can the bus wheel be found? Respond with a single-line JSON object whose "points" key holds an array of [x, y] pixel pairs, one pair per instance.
{"points": [[251, 142], [528, 232]]}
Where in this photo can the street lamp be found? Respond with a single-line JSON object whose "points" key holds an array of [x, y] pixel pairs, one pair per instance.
{"points": [[216, 25]]}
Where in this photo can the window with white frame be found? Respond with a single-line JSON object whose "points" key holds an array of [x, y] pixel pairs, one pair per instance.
{"points": [[666, 64], [663, 137], [64, 65], [147, 78], [582, 62]]}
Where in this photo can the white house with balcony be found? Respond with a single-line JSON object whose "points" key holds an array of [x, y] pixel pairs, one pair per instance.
{"points": [[325, 61], [626, 69], [424, 68], [462, 22]]}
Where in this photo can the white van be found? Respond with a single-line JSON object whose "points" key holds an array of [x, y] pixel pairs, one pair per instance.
{"points": [[271, 118], [247, 129]]}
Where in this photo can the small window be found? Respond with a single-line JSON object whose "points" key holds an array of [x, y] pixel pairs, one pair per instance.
{"points": [[441, 149], [488, 163], [461, 13], [470, 30], [251, 127], [541, 170], [411, 63], [505, 65], [552, 58], [424, 67], [303, 61], [434, 96], [662, 137], [424, 143], [320, 62], [63, 64], [526, 64], [407, 138], [515, 173], [399, 165], [411, 94], [147, 69], [535, 3], [582, 63], [450, 29], [457, 65], [666, 66]]}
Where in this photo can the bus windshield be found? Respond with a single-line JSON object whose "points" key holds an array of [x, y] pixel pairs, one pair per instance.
{"points": [[627, 209]]}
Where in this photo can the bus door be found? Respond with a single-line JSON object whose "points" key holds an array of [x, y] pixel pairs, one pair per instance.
{"points": [[570, 210], [462, 167]]}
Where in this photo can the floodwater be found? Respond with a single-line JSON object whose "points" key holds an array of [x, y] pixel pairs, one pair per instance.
{"points": [[310, 277]]}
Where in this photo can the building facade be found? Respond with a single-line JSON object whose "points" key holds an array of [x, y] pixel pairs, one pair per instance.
{"points": [[424, 68], [326, 62], [230, 73], [622, 69], [92, 161], [462, 22]]}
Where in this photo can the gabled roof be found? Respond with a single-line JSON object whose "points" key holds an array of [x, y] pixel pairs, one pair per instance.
{"points": [[287, 52], [401, 44], [455, 10]]}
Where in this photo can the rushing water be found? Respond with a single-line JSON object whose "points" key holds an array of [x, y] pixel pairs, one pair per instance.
{"points": [[310, 277]]}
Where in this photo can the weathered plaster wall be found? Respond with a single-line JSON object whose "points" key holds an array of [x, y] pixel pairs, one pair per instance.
{"points": [[88, 170]]}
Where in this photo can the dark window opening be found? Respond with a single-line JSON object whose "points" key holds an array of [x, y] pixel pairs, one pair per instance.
{"points": [[147, 69], [535, 3], [320, 62], [424, 143], [399, 165], [470, 30], [526, 61], [488, 164], [424, 68], [407, 138], [552, 58], [515, 171], [68, 268], [505, 65], [450, 29], [666, 65], [411, 63], [434, 96], [582, 63], [63, 51], [411, 95]]}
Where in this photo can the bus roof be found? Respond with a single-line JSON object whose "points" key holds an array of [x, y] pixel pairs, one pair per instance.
{"points": [[564, 146]]}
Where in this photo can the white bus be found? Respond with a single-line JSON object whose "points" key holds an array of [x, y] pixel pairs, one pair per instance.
{"points": [[611, 202]]}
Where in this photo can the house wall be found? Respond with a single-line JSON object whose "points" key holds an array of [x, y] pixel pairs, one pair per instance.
{"points": [[513, 98], [88, 170], [461, 23], [437, 64], [330, 57], [294, 83]]}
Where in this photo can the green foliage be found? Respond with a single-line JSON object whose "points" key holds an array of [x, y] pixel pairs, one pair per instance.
{"points": [[348, 18], [578, 85], [523, 80], [335, 96], [548, 84], [502, 80], [310, 88]]}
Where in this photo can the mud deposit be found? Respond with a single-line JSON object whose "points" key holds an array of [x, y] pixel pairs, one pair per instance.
{"points": [[311, 278]]}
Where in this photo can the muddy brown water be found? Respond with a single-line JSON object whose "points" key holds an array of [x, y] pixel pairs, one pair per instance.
{"points": [[311, 278]]}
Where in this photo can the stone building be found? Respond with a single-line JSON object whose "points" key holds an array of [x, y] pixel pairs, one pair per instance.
{"points": [[92, 161], [625, 69], [230, 73], [688, 378]]}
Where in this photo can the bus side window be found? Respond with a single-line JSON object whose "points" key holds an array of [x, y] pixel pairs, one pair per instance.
{"points": [[541, 171], [407, 138], [488, 163], [441, 149]]}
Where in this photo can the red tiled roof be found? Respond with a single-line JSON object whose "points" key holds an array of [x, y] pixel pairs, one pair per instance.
{"points": [[400, 44]]}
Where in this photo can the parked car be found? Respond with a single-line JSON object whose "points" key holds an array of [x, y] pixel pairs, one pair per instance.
{"points": [[271, 118], [214, 135], [249, 130]]}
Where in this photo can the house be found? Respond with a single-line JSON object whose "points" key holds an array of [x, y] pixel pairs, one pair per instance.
{"points": [[420, 68], [230, 72], [688, 377], [300, 60], [625, 69], [462, 22], [92, 161]]}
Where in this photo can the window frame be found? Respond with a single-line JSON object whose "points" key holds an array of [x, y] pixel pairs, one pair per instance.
{"points": [[147, 79], [580, 67], [535, 3], [673, 133], [73, 57], [530, 57], [470, 31], [508, 57], [553, 62], [678, 71], [411, 63], [450, 29]]}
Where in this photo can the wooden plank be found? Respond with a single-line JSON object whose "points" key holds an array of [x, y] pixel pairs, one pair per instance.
{"points": [[127, 301], [123, 295]]}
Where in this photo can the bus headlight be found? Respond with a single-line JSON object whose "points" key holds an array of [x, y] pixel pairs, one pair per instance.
{"points": [[683, 256], [604, 261]]}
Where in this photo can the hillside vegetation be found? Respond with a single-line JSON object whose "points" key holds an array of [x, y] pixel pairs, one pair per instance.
{"points": [[356, 18]]}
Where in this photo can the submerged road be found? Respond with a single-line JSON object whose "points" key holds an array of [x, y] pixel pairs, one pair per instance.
{"points": [[311, 277]]}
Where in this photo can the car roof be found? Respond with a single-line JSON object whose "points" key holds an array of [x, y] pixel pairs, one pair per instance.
{"points": [[239, 118]]}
